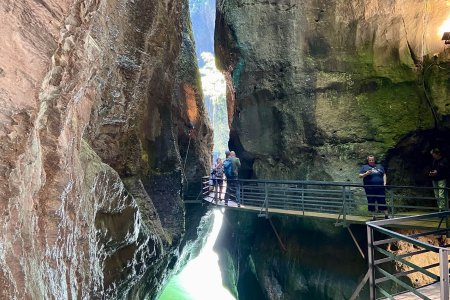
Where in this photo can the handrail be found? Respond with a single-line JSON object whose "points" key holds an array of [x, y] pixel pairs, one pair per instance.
{"points": [[330, 183], [349, 201], [381, 223], [341, 199], [388, 257]]}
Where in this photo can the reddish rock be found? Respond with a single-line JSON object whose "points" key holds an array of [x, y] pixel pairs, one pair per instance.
{"points": [[86, 101]]}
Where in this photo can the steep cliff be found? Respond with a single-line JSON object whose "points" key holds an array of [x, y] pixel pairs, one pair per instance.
{"points": [[314, 86], [309, 259], [93, 112]]}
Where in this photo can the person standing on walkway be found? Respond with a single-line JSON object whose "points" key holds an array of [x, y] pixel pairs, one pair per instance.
{"points": [[374, 178], [231, 170], [218, 180], [438, 175]]}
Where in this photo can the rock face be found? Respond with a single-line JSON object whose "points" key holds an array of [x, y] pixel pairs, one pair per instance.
{"points": [[309, 259], [315, 86], [93, 111]]}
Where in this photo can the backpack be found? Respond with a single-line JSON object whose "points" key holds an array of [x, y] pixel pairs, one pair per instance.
{"points": [[228, 168]]}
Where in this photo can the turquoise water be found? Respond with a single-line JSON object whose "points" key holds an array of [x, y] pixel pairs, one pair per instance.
{"points": [[201, 278]]}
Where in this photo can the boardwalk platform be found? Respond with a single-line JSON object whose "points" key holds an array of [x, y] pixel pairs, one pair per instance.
{"points": [[346, 203], [349, 219], [279, 211], [431, 291], [432, 245]]}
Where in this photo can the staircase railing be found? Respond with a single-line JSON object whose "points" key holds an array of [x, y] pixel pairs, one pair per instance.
{"points": [[388, 282]]}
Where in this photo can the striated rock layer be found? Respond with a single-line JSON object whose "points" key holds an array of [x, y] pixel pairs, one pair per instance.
{"points": [[315, 86], [93, 114]]}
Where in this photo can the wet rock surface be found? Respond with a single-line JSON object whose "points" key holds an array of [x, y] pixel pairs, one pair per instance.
{"points": [[315, 86], [90, 131], [312, 259]]}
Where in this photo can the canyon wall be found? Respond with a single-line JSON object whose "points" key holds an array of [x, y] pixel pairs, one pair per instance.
{"points": [[315, 86], [94, 109], [289, 257]]}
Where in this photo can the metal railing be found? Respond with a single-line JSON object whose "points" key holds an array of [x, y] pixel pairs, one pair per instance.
{"points": [[386, 281], [193, 198], [339, 198]]}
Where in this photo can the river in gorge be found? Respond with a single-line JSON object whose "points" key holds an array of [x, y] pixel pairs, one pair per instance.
{"points": [[200, 278]]}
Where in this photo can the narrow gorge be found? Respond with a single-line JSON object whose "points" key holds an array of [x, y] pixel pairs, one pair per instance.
{"points": [[316, 85], [104, 132], [313, 87], [96, 100]]}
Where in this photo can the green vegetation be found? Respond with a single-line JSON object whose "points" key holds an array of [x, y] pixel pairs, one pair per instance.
{"points": [[394, 110]]}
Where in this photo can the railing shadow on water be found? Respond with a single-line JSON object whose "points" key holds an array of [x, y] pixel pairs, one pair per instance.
{"points": [[341, 198]]}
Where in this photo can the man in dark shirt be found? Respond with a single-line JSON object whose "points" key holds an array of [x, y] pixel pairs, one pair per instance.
{"points": [[233, 189], [438, 175], [374, 178]]}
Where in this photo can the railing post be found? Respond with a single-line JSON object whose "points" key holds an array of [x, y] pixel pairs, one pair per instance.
{"points": [[390, 198], [370, 259], [266, 199], [344, 203], [205, 187], [238, 192], [241, 194], [303, 198], [447, 219], [443, 272]]}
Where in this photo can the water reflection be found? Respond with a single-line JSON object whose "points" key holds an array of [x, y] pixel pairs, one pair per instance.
{"points": [[201, 278]]}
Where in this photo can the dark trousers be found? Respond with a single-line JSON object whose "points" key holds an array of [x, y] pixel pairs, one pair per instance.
{"points": [[376, 194], [218, 189], [233, 190]]}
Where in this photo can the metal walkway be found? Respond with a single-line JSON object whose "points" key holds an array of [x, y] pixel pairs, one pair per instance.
{"points": [[346, 203], [409, 207], [431, 268]]}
